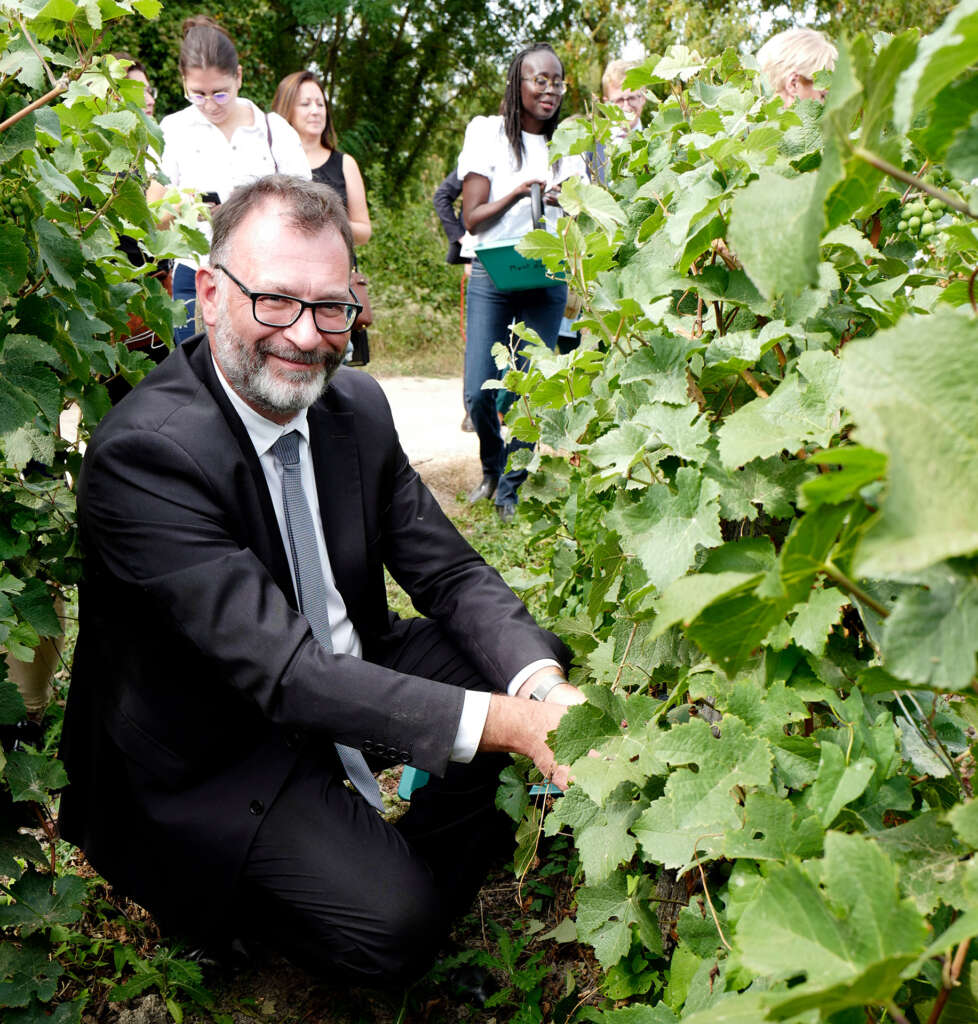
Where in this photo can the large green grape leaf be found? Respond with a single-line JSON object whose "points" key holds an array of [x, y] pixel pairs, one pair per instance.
{"points": [[772, 831], [931, 635], [941, 57], [918, 409], [775, 228], [665, 529], [841, 922], [37, 904], [698, 806], [34, 776], [931, 862], [606, 913], [837, 783], [805, 407], [25, 971]]}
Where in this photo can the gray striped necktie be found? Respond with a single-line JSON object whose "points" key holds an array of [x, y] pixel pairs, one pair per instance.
{"points": [[311, 586]]}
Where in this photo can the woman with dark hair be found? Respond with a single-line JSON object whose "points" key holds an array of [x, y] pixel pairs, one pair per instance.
{"points": [[301, 100], [220, 141], [501, 159]]}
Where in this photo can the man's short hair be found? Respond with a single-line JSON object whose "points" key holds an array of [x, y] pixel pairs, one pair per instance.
{"points": [[614, 74], [309, 208], [798, 50]]}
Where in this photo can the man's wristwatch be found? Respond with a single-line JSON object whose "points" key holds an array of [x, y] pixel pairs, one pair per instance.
{"points": [[545, 684]]}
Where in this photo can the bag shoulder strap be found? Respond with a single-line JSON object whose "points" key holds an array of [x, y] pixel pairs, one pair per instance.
{"points": [[271, 150]]}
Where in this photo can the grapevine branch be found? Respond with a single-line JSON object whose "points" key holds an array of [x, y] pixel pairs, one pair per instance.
{"points": [[854, 590], [905, 176], [706, 893], [951, 975], [33, 46], [60, 86], [624, 657]]}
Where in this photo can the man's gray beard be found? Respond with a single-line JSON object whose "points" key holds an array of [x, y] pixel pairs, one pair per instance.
{"points": [[247, 371]]}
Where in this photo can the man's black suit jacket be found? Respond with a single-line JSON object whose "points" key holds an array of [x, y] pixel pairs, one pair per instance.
{"points": [[196, 682]]}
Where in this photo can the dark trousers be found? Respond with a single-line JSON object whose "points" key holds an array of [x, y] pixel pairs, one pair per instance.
{"points": [[339, 890]]}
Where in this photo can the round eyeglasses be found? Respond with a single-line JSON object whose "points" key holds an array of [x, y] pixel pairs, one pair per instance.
{"points": [[198, 99], [274, 310], [542, 82]]}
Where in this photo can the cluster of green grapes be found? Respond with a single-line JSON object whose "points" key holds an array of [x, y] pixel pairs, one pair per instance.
{"points": [[920, 214], [14, 207]]}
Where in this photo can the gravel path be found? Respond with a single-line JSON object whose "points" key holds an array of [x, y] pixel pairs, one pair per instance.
{"points": [[428, 415]]}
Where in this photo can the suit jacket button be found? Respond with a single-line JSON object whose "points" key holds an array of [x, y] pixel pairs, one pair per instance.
{"points": [[256, 807], [405, 757]]}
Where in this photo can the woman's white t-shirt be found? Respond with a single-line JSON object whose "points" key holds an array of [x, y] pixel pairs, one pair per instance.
{"points": [[488, 152], [198, 155]]}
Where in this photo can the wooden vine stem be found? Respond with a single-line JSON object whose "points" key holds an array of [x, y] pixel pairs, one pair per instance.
{"points": [[60, 86], [905, 176], [950, 981]]}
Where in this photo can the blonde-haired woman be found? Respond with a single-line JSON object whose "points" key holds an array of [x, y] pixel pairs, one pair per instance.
{"points": [[300, 99], [790, 60]]}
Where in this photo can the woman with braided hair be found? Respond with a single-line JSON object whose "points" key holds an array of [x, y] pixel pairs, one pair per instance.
{"points": [[501, 159]]}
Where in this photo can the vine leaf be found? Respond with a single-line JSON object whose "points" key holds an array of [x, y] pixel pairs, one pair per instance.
{"points": [[772, 831], [665, 529], [842, 923], [941, 57], [837, 783], [919, 413], [27, 971], [931, 635], [607, 911], [698, 805], [774, 205], [803, 408], [37, 906]]}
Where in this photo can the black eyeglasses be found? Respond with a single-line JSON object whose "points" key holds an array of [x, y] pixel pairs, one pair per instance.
{"points": [[274, 310]]}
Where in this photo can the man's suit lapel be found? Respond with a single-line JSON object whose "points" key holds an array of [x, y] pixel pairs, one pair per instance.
{"points": [[337, 467], [256, 512]]}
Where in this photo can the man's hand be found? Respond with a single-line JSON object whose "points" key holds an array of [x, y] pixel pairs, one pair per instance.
{"points": [[521, 726]]}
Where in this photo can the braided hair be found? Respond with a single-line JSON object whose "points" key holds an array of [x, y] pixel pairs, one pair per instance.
{"points": [[511, 108]]}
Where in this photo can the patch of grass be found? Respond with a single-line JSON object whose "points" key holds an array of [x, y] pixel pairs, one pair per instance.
{"points": [[511, 549]]}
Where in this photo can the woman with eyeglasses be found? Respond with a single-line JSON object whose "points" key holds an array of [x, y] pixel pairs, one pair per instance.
{"points": [[220, 140], [501, 159]]}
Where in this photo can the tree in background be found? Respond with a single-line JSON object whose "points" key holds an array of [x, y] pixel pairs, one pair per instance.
{"points": [[403, 78]]}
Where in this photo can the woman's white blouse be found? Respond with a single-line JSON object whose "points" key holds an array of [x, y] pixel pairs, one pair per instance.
{"points": [[487, 151], [198, 155]]}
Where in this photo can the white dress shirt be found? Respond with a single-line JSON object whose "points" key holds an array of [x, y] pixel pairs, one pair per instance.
{"points": [[264, 433], [487, 151], [198, 155]]}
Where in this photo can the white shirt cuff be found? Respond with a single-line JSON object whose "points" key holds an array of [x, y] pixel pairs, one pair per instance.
{"points": [[521, 677], [475, 711]]}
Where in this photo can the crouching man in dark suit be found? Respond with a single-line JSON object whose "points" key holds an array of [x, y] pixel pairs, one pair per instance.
{"points": [[237, 661]]}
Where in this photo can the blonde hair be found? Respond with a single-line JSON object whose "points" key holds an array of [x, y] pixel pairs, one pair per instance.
{"points": [[801, 51], [614, 74]]}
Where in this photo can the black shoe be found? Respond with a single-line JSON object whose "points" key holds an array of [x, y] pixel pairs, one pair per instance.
{"points": [[506, 512], [486, 489], [467, 425]]}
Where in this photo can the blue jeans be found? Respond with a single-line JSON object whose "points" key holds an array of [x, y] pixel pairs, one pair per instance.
{"points": [[489, 313], [185, 291]]}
